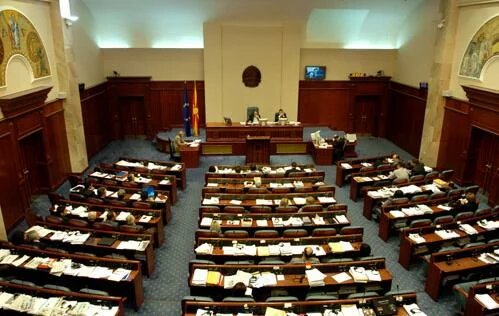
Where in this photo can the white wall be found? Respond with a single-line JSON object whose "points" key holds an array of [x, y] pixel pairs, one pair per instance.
{"points": [[417, 44], [471, 18], [341, 62], [160, 63]]}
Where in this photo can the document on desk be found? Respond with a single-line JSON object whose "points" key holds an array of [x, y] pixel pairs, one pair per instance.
{"points": [[468, 229], [211, 201], [326, 199], [418, 239], [135, 197], [345, 165], [318, 220], [262, 223], [342, 219], [167, 181], [81, 211], [358, 274], [373, 275], [133, 245], [397, 214], [263, 202], [487, 301], [199, 277], [176, 167], [20, 261], [9, 259], [299, 200], [263, 251], [42, 231], [315, 277], [446, 233], [145, 219], [211, 185], [413, 310], [341, 277], [122, 216], [119, 274], [270, 311], [235, 202]]}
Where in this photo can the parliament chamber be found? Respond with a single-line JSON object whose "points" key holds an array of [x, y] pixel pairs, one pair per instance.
{"points": [[220, 158]]}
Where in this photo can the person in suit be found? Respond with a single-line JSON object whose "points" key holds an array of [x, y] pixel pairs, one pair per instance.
{"points": [[280, 115], [294, 168], [254, 117], [417, 167], [339, 148], [467, 204], [399, 173], [306, 257]]}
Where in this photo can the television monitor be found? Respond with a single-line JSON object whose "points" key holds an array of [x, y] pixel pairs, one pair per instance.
{"points": [[315, 72], [316, 137]]}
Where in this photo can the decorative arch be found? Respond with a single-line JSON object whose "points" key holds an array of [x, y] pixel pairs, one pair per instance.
{"points": [[18, 36], [481, 50]]}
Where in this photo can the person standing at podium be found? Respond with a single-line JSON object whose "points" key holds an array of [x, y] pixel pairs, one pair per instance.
{"points": [[254, 117]]}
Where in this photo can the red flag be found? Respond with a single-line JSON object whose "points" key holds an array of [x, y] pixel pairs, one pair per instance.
{"points": [[195, 112]]}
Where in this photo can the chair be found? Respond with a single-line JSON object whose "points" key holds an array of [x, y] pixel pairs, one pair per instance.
{"points": [[208, 209], [134, 229], [232, 209], [197, 298], [260, 209], [463, 216], [437, 195], [128, 184], [58, 250], [304, 190], [336, 207], [56, 287], [53, 219], [399, 201], [461, 291], [400, 181], [324, 232], [311, 208], [107, 165], [77, 222], [175, 156], [94, 292], [363, 294], [271, 261], [206, 233], [211, 190], [142, 205], [74, 180], [236, 233], [255, 190], [86, 254], [474, 244], [55, 197], [472, 188], [103, 226], [483, 212], [266, 233], [429, 177], [455, 193], [336, 260], [365, 170], [420, 198], [446, 175], [297, 175], [281, 299], [441, 220], [420, 223], [117, 203], [350, 230], [320, 297], [286, 209], [416, 178], [239, 262], [109, 182], [94, 200], [238, 299], [234, 190], [281, 190], [294, 232], [200, 261], [325, 188]]}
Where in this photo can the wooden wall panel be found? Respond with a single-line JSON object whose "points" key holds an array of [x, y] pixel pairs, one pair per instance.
{"points": [[326, 103], [405, 116], [13, 189], [57, 151], [94, 110]]}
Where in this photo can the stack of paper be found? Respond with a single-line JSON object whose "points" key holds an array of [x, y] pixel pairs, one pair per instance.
{"points": [[446, 234], [487, 301], [204, 249], [410, 189], [468, 229], [397, 214], [326, 199], [119, 274], [351, 310], [261, 222], [342, 219], [318, 220], [425, 209], [346, 165], [444, 207], [135, 197], [293, 221], [285, 249], [122, 216], [358, 274], [298, 184], [235, 202], [373, 275], [133, 245], [263, 251], [145, 219], [270, 311], [206, 221], [263, 202], [176, 167], [341, 277], [210, 201], [199, 277], [277, 222], [366, 164], [488, 225], [340, 246], [418, 239], [214, 278], [315, 277]]}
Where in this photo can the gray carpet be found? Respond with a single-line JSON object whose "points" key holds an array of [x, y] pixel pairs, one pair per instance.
{"points": [[165, 289]]}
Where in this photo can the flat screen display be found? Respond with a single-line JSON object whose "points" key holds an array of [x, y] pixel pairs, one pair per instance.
{"points": [[315, 72]]}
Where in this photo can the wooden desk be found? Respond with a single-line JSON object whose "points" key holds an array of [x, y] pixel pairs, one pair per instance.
{"points": [[190, 155], [219, 132], [462, 263], [322, 155], [341, 172], [258, 149], [189, 308], [474, 307]]}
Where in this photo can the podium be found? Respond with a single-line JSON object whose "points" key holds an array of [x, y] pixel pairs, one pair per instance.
{"points": [[258, 149]]}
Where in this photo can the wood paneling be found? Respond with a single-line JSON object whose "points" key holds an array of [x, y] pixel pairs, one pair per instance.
{"points": [[94, 111], [405, 116], [470, 129]]}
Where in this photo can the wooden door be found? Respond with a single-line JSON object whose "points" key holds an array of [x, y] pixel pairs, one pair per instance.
{"points": [[132, 116], [366, 113], [33, 163], [483, 163]]}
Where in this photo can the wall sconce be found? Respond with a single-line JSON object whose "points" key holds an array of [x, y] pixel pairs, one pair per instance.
{"points": [[70, 19]]}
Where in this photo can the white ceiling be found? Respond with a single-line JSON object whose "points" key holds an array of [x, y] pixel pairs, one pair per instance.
{"points": [[179, 23]]}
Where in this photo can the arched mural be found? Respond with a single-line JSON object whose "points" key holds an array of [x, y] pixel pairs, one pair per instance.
{"points": [[19, 37], [483, 46]]}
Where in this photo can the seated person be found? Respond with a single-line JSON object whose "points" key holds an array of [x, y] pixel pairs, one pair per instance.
{"points": [[101, 192], [239, 290], [179, 141], [130, 220], [399, 173], [417, 167], [92, 216], [215, 227], [280, 115], [307, 257], [294, 168], [395, 159], [467, 204], [254, 117], [284, 202], [121, 194]]}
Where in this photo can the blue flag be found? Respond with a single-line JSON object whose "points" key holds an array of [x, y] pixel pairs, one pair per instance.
{"points": [[187, 114]]}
